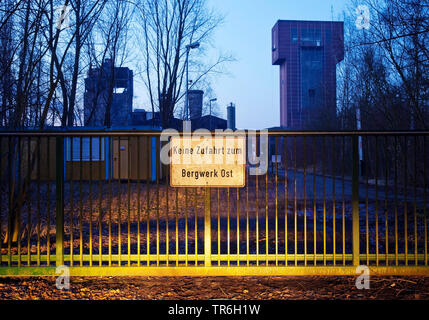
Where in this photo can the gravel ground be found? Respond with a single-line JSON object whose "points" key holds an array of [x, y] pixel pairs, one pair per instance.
{"points": [[81, 209], [207, 288]]}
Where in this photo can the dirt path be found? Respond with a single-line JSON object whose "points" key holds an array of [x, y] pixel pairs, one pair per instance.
{"points": [[188, 288]]}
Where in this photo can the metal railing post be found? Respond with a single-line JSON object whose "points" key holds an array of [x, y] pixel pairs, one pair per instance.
{"points": [[207, 229], [59, 190], [355, 200]]}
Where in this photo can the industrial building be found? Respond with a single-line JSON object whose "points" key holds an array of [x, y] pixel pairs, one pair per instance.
{"points": [[93, 158], [113, 86], [230, 110], [141, 117], [307, 53]]}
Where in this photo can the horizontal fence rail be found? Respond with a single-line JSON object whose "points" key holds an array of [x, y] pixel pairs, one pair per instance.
{"points": [[101, 203]]}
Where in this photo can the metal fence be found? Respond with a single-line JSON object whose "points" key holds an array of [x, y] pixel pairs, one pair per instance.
{"points": [[101, 203]]}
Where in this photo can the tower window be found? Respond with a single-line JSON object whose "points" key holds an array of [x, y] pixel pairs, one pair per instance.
{"points": [[274, 40], [311, 34]]}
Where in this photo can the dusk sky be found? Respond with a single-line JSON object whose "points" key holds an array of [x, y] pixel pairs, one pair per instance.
{"points": [[252, 83]]}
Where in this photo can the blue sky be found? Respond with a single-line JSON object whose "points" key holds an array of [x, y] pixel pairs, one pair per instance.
{"points": [[252, 83]]}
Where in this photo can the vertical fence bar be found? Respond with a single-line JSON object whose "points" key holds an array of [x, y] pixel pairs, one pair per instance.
{"points": [[228, 229], [257, 206], [38, 201], [207, 229], [71, 202], [405, 152], [425, 185], [377, 250], [80, 203], [266, 217], [157, 141], [148, 175], [314, 204], [415, 202], [238, 226], [366, 157], [59, 190], [119, 203], [355, 200], [285, 181], [167, 236], [305, 200], [177, 226], [257, 217], [1, 205], [10, 199], [110, 156], [196, 225], [129, 202], [18, 213], [295, 208], [138, 200], [90, 201], [324, 197], [218, 225], [100, 234], [276, 205], [186, 226], [343, 236], [396, 199], [29, 198], [334, 248], [48, 205], [247, 215], [386, 212]]}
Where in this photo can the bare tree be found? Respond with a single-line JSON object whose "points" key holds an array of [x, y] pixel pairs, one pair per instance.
{"points": [[385, 76], [400, 29], [86, 14], [107, 49], [26, 55], [34, 64], [164, 30]]}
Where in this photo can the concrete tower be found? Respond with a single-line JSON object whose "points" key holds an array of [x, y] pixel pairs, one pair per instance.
{"points": [[307, 53], [231, 116]]}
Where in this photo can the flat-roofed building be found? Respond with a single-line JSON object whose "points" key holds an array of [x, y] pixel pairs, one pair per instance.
{"points": [[307, 53]]}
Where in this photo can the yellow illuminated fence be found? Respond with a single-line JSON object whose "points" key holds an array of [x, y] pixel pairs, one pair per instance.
{"points": [[321, 203]]}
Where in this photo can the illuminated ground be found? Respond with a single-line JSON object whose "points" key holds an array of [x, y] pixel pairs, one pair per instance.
{"points": [[259, 288]]}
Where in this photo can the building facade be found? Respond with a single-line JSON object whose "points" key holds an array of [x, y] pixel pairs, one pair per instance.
{"points": [[307, 53]]}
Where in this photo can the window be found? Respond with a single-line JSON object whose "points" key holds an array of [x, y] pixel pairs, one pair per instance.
{"points": [[311, 34], [294, 35], [328, 36], [274, 39], [311, 77], [311, 97], [88, 153], [119, 90]]}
